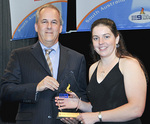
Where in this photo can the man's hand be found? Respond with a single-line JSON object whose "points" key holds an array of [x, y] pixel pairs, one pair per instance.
{"points": [[48, 83]]}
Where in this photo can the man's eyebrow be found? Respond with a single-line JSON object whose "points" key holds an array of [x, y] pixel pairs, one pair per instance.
{"points": [[51, 20], [44, 20], [55, 20]]}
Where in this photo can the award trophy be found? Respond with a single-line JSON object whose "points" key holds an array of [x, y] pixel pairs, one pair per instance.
{"points": [[65, 85]]}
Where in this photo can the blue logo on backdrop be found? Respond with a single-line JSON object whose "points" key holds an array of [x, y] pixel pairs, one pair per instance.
{"points": [[140, 16]]}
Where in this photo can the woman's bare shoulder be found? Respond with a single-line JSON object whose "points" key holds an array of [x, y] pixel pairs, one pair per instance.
{"points": [[129, 63], [92, 69]]}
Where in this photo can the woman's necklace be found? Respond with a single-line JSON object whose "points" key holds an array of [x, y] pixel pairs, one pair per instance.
{"points": [[104, 71]]}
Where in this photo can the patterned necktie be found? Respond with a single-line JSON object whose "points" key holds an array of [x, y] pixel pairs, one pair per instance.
{"points": [[47, 52]]}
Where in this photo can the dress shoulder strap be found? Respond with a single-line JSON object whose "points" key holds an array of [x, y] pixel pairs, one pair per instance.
{"points": [[98, 63], [95, 69]]}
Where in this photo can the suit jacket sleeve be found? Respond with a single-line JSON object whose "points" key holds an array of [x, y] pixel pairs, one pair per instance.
{"points": [[11, 87]]}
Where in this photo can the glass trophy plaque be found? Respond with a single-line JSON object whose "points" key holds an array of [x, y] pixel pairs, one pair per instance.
{"points": [[66, 114]]}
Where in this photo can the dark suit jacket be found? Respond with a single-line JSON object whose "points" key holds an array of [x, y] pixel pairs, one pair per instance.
{"points": [[26, 68]]}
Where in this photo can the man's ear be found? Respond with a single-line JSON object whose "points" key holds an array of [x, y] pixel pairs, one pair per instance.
{"points": [[36, 27], [60, 30]]}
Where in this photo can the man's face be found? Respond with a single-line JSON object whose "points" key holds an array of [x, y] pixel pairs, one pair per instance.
{"points": [[48, 26]]}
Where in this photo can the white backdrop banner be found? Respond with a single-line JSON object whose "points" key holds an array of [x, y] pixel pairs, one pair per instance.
{"points": [[127, 14], [23, 16]]}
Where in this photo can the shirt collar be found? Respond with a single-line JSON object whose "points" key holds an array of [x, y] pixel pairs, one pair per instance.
{"points": [[54, 47]]}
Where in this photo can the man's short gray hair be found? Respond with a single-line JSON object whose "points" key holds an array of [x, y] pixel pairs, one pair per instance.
{"points": [[48, 6]]}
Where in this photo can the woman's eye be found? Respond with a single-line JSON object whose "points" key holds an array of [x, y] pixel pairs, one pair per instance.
{"points": [[95, 38], [106, 37]]}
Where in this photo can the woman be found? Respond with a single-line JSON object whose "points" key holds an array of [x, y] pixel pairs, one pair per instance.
{"points": [[117, 88]]}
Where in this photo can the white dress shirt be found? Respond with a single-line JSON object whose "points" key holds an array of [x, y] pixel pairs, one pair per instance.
{"points": [[54, 56]]}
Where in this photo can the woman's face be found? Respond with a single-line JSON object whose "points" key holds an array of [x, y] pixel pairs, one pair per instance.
{"points": [[104, 41]]}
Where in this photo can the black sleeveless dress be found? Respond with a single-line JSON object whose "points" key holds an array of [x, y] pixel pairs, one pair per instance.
{"points": [[109, 94]]}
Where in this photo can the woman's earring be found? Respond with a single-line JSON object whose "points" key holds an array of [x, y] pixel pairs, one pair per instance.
{"points": [[117, 45]]}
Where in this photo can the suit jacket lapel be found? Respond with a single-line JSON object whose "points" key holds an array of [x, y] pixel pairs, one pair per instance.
{"points": [[37, 52], [62, 61]]}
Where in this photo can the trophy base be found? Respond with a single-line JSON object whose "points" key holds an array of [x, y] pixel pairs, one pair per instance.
{"points": [[67, 115]]}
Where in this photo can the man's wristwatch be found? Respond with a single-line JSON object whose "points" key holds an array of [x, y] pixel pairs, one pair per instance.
{"points": [[100, 116]]}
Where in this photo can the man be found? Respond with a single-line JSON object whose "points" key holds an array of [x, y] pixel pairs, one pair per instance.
{"points": [[29, 80]]}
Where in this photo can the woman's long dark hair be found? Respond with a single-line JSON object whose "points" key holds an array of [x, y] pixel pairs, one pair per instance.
{"points": [[121, 51]]}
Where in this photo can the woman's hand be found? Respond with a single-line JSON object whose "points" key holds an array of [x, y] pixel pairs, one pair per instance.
{"points": [[88, 118], [67, 103], [69, 120]]}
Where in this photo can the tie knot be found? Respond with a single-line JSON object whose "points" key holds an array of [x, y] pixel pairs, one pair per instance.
{"points": [[48, 51]]}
